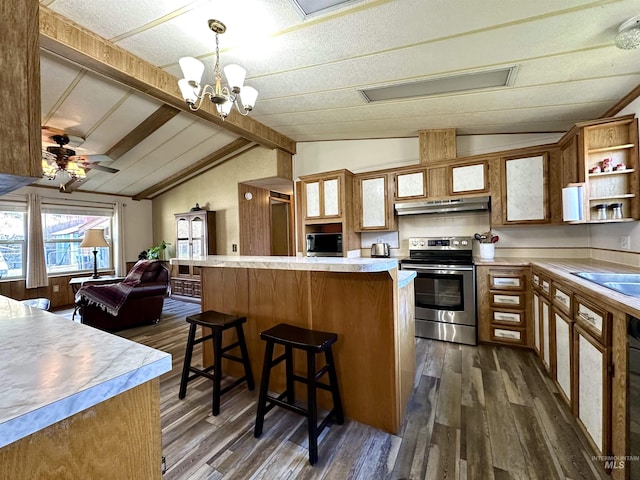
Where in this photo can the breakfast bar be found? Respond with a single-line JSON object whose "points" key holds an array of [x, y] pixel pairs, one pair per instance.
{"points": [[368, 302], [76, 402]]}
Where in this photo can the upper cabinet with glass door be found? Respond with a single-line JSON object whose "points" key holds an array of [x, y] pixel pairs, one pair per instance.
{"points": [[325, 196]]}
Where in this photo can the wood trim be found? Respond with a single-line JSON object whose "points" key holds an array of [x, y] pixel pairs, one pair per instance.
{"points": [[149, 125], [623, 102], [220, 156], [87, 49], [437, 144], [255, 221], [619, 392]]}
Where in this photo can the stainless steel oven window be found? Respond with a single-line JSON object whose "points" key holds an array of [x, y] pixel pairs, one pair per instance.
{"points": [[440, 291]]}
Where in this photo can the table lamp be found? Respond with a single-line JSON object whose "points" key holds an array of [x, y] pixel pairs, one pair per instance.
{"points": [[94, 237]]}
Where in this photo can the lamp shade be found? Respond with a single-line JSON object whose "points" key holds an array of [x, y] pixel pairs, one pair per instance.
{"points": [[192, 69], [235, 76], [189, 93], [248, 96], [94, 237]]}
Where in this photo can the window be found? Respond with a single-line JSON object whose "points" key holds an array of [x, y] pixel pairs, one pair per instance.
{"points": [[63, 231], [12, 240]]}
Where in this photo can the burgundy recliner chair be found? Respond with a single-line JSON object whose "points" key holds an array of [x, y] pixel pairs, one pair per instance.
{"points": [[143, 305]]}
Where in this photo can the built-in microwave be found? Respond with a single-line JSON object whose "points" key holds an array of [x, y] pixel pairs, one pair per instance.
{"points": [[324, 244]]}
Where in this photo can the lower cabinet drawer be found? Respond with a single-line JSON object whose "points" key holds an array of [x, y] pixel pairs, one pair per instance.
{"points": [[516, 336], [507, 299], [514, 318]]}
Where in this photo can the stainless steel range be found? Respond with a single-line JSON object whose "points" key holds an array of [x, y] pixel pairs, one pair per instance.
{"points": [[445, 288]]}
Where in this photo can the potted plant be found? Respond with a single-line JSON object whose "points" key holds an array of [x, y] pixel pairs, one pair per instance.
{"points": [[154, 253]]}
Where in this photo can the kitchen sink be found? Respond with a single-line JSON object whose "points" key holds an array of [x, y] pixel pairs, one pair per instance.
{"points": [[627, 283]]}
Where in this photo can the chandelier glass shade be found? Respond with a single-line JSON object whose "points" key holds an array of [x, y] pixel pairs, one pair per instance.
{"points": [[224, 98]]}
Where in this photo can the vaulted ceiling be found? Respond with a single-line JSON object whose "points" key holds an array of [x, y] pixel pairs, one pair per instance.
{"points": [[308, 72]]}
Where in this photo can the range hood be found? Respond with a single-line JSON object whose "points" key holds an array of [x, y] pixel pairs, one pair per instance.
{"points": [[468, 204]]}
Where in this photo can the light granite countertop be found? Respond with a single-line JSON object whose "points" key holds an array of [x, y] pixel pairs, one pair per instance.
{"points": [[52, 368], [319, 264]]}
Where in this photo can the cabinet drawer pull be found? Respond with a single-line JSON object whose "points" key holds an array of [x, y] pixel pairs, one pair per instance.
{"points": [[588, 318], [561, 299], [510, 299], [506, 282]]}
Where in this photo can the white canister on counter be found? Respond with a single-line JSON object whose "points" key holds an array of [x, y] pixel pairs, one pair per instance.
{"points": [[487, 251]]}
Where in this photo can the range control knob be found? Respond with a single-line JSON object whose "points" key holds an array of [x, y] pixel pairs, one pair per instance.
{"points": [[422, 243], [465, 243]]}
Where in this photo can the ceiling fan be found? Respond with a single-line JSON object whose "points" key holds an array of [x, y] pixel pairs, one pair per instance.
{"points": [[60, 158]]}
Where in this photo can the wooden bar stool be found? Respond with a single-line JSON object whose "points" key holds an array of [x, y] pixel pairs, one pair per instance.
{"points": [[218, 323], [312, 342]]}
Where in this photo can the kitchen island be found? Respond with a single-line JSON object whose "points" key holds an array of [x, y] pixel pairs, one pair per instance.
{"points": [[76, 402], [366, 301]]}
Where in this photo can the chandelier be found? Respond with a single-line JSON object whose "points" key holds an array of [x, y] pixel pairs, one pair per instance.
{"points": [[628, 36], [224, 98], [56, 162]]}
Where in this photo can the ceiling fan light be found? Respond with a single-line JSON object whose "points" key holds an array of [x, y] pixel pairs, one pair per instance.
{"points": [[48, 169], [628, 36], [192, 70], [235, 75], [248, 96]]}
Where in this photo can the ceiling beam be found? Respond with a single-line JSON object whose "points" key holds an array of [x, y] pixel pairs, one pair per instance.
{"points": [[69, 40], [229, 151], [149, 125]]}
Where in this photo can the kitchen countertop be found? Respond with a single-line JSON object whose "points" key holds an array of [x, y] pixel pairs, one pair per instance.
{"points": [[405, 276], [319, 264], [52, 368], [562, 269]]}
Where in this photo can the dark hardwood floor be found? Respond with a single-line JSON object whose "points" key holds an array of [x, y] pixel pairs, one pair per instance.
{"points": [[476, 413]]}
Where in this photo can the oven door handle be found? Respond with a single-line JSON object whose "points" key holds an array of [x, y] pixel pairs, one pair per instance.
{"points": [[442, 268]]}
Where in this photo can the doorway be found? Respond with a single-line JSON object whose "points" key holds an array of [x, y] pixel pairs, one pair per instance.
{"points": [[281, 224]]}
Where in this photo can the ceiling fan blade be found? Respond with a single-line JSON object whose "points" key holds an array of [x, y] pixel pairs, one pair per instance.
{"points": [[68, 187], [93, 158], [102, 168]]}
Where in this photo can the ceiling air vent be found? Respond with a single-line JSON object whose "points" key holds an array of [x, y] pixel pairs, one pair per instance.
{"points": [[437, 86], [314, 7]]}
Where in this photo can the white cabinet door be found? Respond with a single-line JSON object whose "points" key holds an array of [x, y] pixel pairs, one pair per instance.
{"points": [[563, 354], [331, 197], [546, 334], [312, 196], [468, 178], [373, 196], [592, 362], [525, 189], [409, 185]]}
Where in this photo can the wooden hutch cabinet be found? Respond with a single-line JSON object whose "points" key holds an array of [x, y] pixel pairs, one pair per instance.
{"points": [[195, 236]]}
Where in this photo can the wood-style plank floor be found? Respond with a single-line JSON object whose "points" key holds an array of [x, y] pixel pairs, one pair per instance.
{"points": [[475, 413]]}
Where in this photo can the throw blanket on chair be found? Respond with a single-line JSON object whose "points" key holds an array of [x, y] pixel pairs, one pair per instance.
{"points": [[111, 297]]}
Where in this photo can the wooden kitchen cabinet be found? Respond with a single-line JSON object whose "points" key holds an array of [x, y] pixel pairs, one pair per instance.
{"points": [[326, 196], [526, 198], [615, 139], [469, 179], [503, 305], [592, 403], [373, 203], [410, 184], [195, 236], [564, 354]]}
